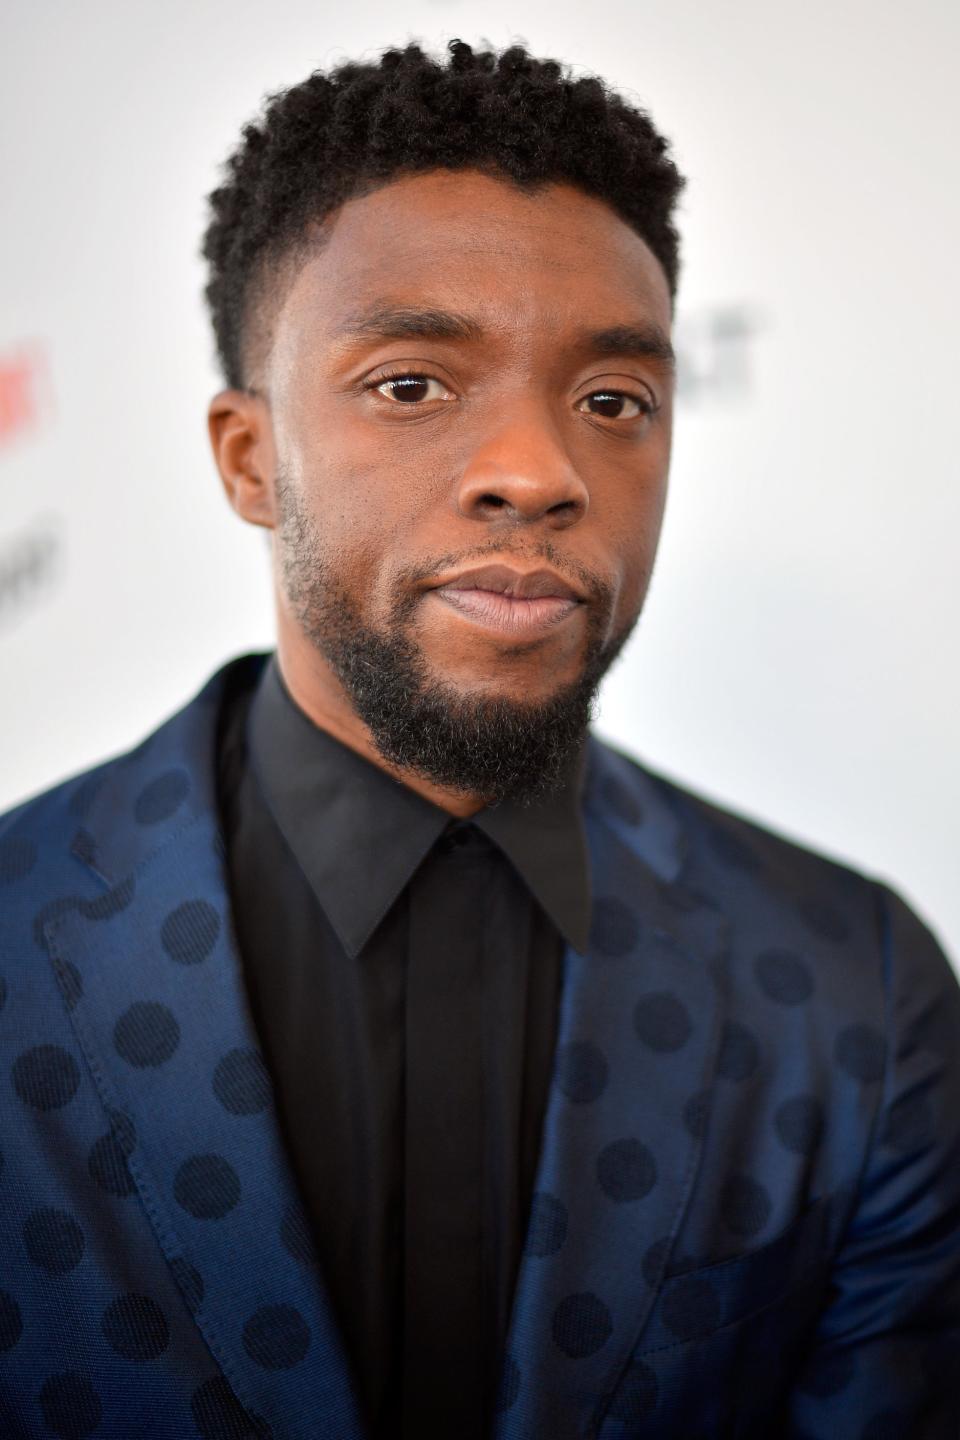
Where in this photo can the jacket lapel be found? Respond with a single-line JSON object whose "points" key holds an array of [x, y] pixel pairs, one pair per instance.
{"points": [[638, 1031], [153, 978]]}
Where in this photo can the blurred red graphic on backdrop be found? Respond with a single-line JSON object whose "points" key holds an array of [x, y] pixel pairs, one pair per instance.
{"points": [[24, 391]]}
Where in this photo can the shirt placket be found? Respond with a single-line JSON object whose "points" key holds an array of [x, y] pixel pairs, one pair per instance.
{"points": [[443, 1359]]}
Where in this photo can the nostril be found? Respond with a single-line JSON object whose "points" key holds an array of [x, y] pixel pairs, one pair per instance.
{"points": [[496, 501]]}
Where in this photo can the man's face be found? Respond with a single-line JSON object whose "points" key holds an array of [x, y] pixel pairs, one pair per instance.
{"points": [[518, 439]]}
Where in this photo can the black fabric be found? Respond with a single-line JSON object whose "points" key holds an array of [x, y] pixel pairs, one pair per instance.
{"points": [[404, 972]]}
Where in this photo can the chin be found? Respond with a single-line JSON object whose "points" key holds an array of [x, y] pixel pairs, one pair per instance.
{"points": [[518, 691]]}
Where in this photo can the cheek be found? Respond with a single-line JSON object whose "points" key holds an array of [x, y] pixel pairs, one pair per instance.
{"points": [[363, 532], [352, 504], [635, 527], [363, 503]]}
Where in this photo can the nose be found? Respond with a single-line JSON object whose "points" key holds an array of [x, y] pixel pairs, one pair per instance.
{"points": [[523, 473]]}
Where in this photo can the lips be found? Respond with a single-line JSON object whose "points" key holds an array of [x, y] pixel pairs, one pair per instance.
{"points": [[517, 584], [514, 602]]}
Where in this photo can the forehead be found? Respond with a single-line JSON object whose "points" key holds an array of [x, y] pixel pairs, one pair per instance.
{"points": [[530, 262]]}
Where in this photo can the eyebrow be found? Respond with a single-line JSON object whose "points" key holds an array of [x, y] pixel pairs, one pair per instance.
{"points": [[642, 340]]}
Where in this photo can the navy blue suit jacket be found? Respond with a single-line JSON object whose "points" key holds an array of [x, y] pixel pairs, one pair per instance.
{"points": [[747, 1208]]}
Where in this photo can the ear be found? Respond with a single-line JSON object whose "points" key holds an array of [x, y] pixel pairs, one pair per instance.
{"points": [[241, 435]]}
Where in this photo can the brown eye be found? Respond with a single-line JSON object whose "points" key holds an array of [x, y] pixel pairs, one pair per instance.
{"points": [[615, 405], [407, 389]]}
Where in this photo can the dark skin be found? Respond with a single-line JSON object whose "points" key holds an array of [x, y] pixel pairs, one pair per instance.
{"points": [[526, 437]]}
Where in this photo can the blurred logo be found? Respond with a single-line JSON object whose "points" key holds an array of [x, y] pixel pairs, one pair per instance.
{"points": [[714, 346], [25, 397], [29, 558], [29, 562]]}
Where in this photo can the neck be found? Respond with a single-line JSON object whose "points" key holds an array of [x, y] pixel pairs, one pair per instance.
{"points": [[319, 694]]}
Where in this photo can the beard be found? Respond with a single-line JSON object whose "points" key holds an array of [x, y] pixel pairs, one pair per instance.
{"points": [[492, 747]]}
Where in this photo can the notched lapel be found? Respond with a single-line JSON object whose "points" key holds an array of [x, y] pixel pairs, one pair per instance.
{"points": [[638, 1033], [153, 980]]}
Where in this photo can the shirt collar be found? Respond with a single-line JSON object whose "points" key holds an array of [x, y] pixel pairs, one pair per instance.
{"points": [[547, 844], [359, 834]]}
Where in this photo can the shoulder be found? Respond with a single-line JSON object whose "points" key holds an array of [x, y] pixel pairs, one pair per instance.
{"points": [[38, 837], [710, 833], [74, 843], [793, 908]]}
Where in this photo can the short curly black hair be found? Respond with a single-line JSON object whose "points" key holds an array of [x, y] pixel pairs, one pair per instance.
{"points": [[339, 135]]}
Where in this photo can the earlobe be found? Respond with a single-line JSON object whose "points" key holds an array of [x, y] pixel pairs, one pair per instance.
{"points": [[241, 436]]}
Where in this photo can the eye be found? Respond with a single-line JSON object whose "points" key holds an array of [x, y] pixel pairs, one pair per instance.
{"points": [[413, 388], [407, 388], [641, 404]]}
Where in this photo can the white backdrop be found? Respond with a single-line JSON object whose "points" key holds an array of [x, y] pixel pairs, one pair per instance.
{"points": [[798, 655]]}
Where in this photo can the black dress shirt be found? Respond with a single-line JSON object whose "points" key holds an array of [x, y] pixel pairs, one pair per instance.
{"points": [[404, 971]]}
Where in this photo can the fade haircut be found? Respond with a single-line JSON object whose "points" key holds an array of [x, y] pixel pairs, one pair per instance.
{"points": [[341, 134]]}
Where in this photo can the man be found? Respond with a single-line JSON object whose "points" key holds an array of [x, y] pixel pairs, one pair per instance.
{"points": [[384, 1055]]}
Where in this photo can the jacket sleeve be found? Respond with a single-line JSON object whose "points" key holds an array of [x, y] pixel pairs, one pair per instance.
{"points": [[885, 1359]]}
